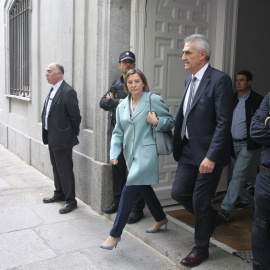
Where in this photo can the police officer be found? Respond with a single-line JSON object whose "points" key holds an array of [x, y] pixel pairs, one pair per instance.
{"points": [[260, 133], [109, 102]]}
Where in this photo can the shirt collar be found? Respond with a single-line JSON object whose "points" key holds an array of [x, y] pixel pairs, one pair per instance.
{"points": [[200, 73], [57, 85], [245, 96]]}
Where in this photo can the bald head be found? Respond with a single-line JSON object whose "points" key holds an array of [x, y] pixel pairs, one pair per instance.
{"points": [[54, 73]]}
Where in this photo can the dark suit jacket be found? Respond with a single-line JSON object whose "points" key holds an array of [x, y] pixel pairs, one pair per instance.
{"points": [[209, 119], [63, 120], [259, 132], [108, 104], [252, 103]]}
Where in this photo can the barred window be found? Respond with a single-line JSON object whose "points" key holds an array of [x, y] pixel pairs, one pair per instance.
{"points": [[19, 48]]}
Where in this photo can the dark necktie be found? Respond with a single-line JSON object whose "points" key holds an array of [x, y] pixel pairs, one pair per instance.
{"points": [[190, 98], [45, 108]]}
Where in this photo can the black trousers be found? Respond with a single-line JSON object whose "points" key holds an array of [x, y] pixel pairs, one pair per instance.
{"points": [[195, 191], [64, 180], [260, 238], [129, 193], [119, 174]]}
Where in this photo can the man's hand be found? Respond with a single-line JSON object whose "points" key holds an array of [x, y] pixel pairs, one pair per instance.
{"points": [[207, 166], [114, 161], [110, 95]]}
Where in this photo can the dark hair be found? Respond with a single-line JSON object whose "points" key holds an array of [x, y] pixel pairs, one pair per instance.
{"points": [[136, 71], [60, 68], [246, 73]]}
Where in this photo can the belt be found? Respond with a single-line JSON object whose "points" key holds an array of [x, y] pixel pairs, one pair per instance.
{"points": [[240, 140], [264, 170]]}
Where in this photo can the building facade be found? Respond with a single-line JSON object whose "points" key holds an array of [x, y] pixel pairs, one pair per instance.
{"points": [[87, 38]]}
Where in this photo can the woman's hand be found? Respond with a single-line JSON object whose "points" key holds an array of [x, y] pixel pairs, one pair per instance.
{"points": [[152, 118], [114, 161]]}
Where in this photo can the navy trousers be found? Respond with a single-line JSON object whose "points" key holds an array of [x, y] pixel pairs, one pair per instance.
{"points": [[260, 239], [128, 195], [195, 191]]}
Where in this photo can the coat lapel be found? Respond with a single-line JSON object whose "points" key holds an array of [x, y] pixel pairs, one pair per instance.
{"points": [[141, 105], [126, 107]]}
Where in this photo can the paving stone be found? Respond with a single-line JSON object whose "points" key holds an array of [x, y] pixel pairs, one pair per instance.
{"points": [[17, 218], [21, 248]]}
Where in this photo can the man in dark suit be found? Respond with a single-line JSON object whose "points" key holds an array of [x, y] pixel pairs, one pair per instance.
{"points": [[60, 127], [260, 239], [201, 142]]}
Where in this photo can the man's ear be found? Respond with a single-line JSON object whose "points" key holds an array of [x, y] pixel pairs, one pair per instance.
{"points": [[203, 53]]}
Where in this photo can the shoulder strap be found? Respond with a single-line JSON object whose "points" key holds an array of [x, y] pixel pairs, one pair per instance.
{"points": [[153, 128], [150, 102]]}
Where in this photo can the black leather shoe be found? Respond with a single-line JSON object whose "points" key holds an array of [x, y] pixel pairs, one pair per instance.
{"points": [[225, 215], [134, 217], [258, 266], [194, 258], [112, 208], [53, 199], [67, 208]]}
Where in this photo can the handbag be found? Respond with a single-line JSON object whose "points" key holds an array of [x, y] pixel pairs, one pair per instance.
{"points": [[164, 140]]}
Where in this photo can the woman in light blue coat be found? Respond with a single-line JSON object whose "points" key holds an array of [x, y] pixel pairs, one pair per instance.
{"points": [[134, 134]]}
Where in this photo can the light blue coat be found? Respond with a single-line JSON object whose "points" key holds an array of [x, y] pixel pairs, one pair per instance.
{"points": [[135, 136]]}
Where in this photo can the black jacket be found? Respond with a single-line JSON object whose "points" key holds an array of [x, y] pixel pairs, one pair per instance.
{"points": [[63, 120], [252, 104], [260, 132], [108, 104]]}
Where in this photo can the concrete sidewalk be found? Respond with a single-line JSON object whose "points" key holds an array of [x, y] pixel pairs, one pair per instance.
{"points": [[33, 235]]}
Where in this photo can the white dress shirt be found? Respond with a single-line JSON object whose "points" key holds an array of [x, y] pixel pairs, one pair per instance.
{"points": [[198, 76], [55, 89]]}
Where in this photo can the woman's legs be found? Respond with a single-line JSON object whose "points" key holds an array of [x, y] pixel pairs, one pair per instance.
{"points": [[152, 202], [128, 196]]}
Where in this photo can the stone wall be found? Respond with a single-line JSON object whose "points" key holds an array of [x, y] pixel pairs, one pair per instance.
{"points": [[87, 38]]}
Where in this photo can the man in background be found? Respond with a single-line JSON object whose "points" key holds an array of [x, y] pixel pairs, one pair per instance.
{"points": [[60, 127], [246, 102]]}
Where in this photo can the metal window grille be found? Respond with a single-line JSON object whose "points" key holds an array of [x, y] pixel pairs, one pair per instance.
{"points": [[19, 48]]}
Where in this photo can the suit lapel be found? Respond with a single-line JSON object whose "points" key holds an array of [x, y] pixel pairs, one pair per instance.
{"points": [[204, 82], [57, 95]]}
